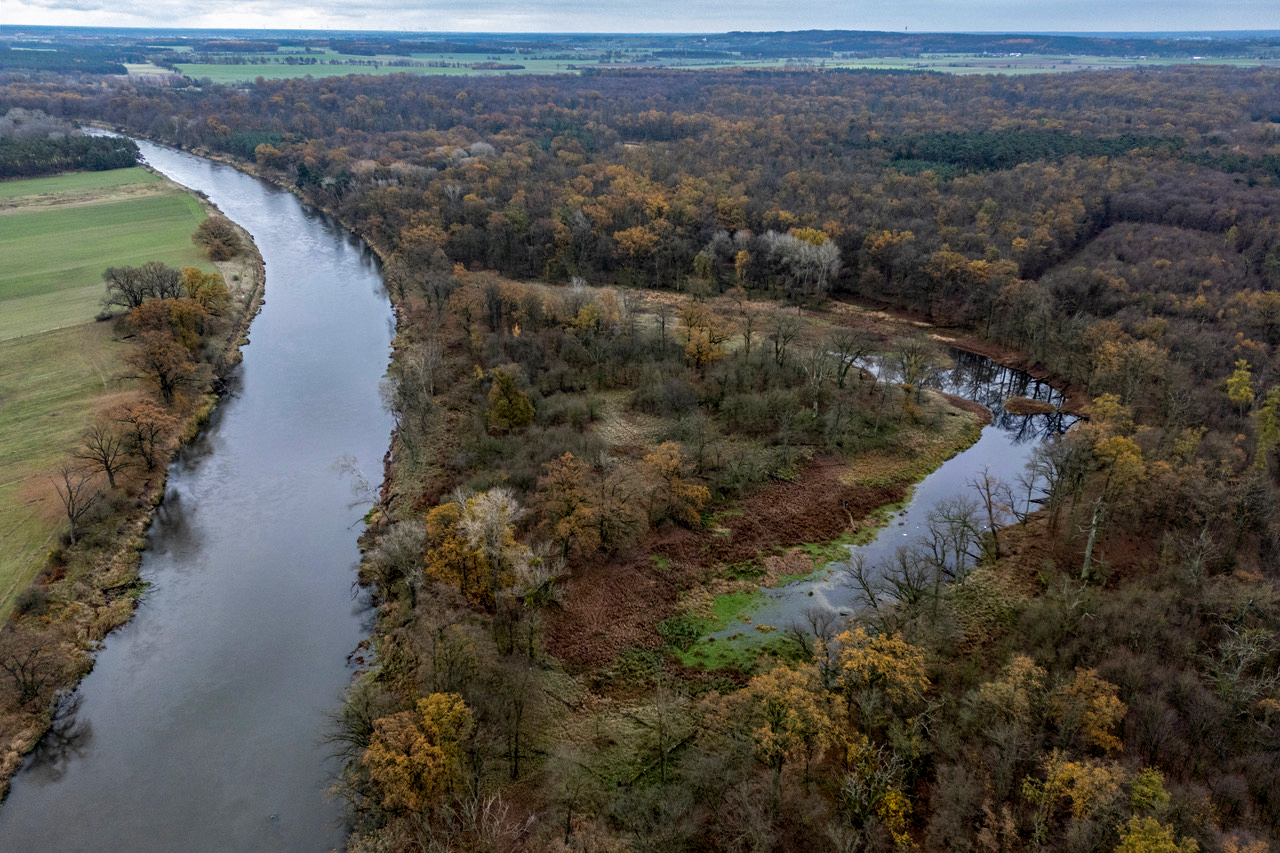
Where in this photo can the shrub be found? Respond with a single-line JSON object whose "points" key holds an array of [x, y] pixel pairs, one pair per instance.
{"points": [[32, 601]]}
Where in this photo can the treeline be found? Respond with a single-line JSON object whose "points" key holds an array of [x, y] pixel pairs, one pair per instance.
{"points": [[77, 60], [988, 151], [652, 178], [29, 158]]}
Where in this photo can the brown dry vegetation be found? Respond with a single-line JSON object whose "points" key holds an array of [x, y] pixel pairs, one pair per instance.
{"points": [[614, 605]]}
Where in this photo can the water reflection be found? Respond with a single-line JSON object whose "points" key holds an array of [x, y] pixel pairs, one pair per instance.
{"points": [[69, 738], [926, 538]]}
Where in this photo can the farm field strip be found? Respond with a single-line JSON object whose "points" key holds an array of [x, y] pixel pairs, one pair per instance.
{"points": [[48, 280], [277, 69], [57, 366]]}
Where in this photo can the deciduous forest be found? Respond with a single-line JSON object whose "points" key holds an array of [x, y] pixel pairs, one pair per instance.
{"points": [[633, 311]]}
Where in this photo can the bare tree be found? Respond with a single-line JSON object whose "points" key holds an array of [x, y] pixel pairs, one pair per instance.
{"points": [[953, 536], [818, 626], [104, 446], [78, 490], [129, 287], [996, 499], [848, 346], [917, 364], [783, 330], [34, 663]]}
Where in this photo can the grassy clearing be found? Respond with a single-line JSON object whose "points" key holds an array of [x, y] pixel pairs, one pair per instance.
{"points": [[77, 182], [52, 255], [50, 385], [918, 452]]}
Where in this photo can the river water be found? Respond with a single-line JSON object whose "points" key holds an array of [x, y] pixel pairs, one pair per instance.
{"points": [[201, 726], [1003, 451]]}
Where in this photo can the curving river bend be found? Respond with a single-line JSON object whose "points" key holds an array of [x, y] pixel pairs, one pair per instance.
{"points": [[201, 725]]}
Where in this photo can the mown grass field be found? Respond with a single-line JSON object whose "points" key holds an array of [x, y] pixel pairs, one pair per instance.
{"points": [[57, 235], [50, 385], [57, 366]]}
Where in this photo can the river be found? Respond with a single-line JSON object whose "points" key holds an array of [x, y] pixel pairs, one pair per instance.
{"points": [[201, 726], [1003, 450]]}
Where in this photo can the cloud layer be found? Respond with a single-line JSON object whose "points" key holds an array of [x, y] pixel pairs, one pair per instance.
{"points": [[654, 15]]}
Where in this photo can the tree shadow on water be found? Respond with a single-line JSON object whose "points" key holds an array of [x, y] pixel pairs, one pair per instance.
{"points": [[67, 740]]}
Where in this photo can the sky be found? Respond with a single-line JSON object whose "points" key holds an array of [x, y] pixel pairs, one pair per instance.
{"points": [[652, 16]]}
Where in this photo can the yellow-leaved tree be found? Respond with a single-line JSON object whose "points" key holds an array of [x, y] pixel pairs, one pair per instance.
{"points": [[415, 757], [1148, 835], [672, 495], [784, 712], [1087, 708], [867, 668]]}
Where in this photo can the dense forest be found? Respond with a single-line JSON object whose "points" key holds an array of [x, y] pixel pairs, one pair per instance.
{"points": [[606, 414], [29, 158]]}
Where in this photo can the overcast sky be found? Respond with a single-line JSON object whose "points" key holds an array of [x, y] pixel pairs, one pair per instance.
{"points": [[655, 15]]}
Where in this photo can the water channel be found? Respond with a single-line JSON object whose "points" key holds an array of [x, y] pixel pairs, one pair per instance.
{"points": [[1003, 450], [201, 726]]}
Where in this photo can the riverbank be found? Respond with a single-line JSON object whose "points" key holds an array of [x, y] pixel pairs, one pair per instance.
{"points": [[88, 589]]}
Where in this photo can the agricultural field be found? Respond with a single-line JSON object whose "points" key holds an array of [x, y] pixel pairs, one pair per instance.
{"points": [[331, 64], [49, 280], [57, 366], [336, 64]]}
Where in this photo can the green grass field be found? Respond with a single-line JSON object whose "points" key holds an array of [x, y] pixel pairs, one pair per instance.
{"points": [[48, 279], [50, 385], [57, 366], [76, 182]]}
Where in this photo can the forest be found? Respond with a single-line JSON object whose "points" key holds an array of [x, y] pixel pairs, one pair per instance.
{"points": [[629, 309]]}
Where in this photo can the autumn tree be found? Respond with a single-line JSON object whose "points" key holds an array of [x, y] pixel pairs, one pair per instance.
{"points": [[1148, 835], [784, 713], [450, 558], [147, 428], [471, 542], [672, 495], [209, 290], [1240, 387], [705, 334], [416, 757], [1088, 785], [1087, 708], [1267, 418], [565, 503], [866, 667], [509, 407], [184, 319], [218, 237], [163, 363]]}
